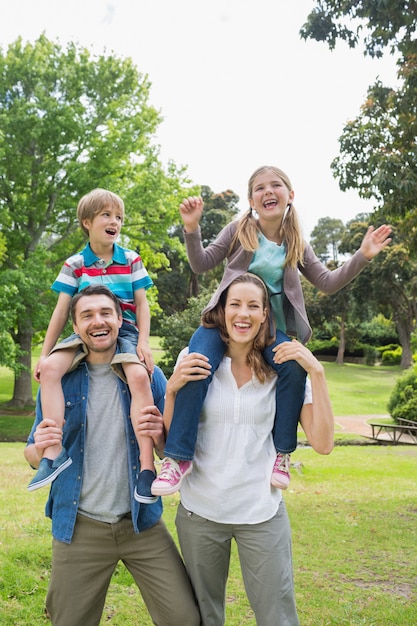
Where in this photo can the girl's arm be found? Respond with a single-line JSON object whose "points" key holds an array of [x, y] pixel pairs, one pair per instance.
{"points": [[317, 417], [331, 281], [56, 325], [203, 259]]}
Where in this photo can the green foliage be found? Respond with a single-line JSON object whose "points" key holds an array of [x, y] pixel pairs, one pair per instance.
{"points": [[370, 354], [392, 357], [69, 122], [403, 399], [325, 238], [177, 329]]}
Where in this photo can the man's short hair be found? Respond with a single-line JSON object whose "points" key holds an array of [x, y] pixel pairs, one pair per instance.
{"points": [[95, 290]]}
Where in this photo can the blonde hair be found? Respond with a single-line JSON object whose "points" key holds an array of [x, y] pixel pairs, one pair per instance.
{"points": [[215, 318], [93, 202], [248, 225]]}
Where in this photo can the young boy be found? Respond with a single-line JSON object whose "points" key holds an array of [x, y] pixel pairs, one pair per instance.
{"points": [[100, 214]]}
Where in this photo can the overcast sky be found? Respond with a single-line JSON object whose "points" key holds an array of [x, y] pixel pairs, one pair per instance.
{"points": [[235, 84]]}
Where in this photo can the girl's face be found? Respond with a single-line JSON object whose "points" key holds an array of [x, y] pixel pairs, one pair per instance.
{"points": [[270, 197], [244, 312]]}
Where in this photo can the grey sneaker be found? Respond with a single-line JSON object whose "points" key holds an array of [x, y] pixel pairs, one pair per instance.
{"points": [[143, 489], [49, 469]]}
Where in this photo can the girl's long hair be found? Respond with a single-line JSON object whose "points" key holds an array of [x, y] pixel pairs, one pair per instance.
{"points": [[215, 318], [290, 232]]}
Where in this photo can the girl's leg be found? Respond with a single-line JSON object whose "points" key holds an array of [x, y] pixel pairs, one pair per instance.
{"points": [[290, 392], [182, 434], [140, 388], [205, 548], [290, 397], [54, 459]]}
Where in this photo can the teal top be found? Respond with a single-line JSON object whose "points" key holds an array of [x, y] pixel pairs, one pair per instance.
{"points": [[268, 263]]}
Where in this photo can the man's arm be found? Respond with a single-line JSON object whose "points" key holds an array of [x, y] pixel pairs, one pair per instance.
{"points": [[46, 434]]}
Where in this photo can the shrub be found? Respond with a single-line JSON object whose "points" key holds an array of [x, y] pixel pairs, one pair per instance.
{"points": [[392, 357], [371, 354], [403, 399]]}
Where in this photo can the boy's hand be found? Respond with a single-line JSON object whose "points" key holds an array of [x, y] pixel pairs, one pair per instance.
{"points": [[145, 355], [191, 210], [37, 370]]}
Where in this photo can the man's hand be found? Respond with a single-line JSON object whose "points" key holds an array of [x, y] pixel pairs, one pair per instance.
{"points": [[151, 424]]}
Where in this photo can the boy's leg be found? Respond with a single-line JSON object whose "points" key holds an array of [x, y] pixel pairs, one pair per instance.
{"points": [[189, 400], [54, 458], [140, 388]]}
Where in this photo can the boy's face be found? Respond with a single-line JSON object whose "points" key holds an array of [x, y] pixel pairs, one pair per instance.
{"points": [[105, 226]]}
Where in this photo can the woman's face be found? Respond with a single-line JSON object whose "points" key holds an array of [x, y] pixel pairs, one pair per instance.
{"points": [[270, 196], [244, 312]]}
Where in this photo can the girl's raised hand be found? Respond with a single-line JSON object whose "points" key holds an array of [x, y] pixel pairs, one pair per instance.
{"points": [[191, 210], [375, 240]]}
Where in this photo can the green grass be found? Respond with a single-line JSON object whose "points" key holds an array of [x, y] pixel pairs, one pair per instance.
{"points": [[354, 520]]}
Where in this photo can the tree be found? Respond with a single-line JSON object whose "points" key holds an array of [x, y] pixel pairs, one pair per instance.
{"points": [[378, 149], [325, 238], [70, 122], [388, 285]]}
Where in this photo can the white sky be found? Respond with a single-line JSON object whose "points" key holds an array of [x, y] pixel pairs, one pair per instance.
{"points": [[236, 85]]}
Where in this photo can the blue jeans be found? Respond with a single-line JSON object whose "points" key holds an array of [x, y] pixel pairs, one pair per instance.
{"points": [[290, 390]]}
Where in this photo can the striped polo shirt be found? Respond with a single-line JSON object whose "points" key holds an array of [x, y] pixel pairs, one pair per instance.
{"points": [[123, 275]]}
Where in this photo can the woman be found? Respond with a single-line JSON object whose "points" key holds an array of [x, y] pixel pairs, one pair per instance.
{"points": [[228, 494]]}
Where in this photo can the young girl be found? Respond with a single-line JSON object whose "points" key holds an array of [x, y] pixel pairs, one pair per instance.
{"points": [[266, 241]]}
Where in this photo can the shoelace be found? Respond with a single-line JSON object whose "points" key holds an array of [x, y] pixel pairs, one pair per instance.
{"points": [[168, 471], [282, 463]]}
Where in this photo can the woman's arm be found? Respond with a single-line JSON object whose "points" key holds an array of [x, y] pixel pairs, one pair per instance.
{"points": [[317, 417]]}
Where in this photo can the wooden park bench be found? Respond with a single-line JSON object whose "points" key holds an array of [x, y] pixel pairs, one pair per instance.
{"points": [[403, 432]]}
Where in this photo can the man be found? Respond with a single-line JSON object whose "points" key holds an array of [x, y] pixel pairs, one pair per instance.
{"points": [[96, 520]]}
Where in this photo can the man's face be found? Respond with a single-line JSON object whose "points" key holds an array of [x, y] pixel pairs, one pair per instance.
{"points": [[97, 323]]}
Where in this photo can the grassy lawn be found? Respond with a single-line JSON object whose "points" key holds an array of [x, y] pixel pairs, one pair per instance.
{"points": [[354, 521]]}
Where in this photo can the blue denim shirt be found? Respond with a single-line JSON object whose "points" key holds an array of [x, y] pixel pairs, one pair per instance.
{"points": [[64, 495]]}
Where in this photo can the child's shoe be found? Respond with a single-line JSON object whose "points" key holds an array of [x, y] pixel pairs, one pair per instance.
{"points": [[49, 469], [143, 489], [281, 472], [170, 476]]}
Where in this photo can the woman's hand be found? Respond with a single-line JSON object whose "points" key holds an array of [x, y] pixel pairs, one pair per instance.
{"points": [[193, 366], [296, 351], [191, 210]]}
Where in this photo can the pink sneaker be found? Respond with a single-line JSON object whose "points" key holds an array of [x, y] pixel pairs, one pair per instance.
{"points": [[281, 472], [170, 477]]}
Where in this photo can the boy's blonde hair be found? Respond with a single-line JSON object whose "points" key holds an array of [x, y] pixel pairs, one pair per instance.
{"points": [[93, 202], [248, 225]]}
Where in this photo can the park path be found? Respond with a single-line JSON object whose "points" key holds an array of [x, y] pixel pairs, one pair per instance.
{"points": [[357, 424]]}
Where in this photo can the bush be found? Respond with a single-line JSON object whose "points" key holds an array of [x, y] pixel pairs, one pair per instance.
{"points": [[371, 354], [403, 399], [392, 357]]}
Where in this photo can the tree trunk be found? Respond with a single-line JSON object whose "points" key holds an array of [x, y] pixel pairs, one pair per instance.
{"points": [[342, 344], [404, 329], [22, 393]]}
